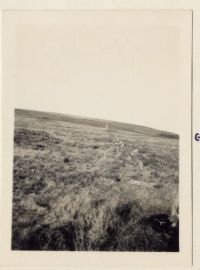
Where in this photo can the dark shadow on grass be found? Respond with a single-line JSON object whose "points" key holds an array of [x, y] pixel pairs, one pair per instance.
{"points": [[47, 238]]}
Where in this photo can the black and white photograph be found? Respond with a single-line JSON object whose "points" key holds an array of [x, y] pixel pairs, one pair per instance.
{"points": [[82, 183], [99, 119]]}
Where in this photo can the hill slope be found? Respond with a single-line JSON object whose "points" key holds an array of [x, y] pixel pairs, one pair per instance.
{"points": [[97, 123], [77, 186]]}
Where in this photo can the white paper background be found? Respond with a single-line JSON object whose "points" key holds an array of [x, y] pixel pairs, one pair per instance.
{"points": [[126, 4]]}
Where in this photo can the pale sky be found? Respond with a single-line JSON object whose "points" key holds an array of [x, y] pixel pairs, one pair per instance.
{"points": [[125, 66]]}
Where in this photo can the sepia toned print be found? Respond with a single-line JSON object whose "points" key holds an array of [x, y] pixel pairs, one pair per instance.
{"points": [[96, 138]]}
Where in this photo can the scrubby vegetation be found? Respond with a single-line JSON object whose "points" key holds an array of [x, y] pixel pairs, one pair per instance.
{"points": [[81, 187]]}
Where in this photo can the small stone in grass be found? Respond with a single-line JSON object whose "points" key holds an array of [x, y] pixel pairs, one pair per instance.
{"points": [[117, 179], [66, 160]]}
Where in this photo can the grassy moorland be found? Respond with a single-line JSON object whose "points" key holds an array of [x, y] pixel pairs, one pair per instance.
{"points": [[77, 186]]}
